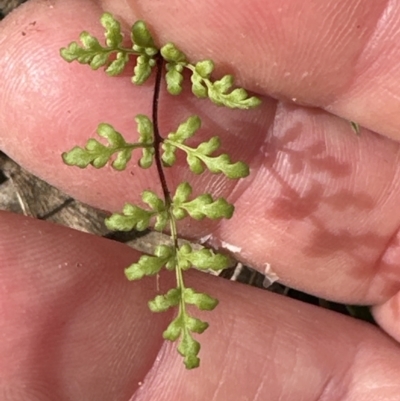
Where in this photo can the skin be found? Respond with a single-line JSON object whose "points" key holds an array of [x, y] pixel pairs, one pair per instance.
{"points": [[320, 206]]}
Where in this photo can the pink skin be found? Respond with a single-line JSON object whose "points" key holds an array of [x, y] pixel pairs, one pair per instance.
{"points": [[320, 206]]}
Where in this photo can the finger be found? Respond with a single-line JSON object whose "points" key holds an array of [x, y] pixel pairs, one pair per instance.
{"points": [[339, 55], [78, 117], [319, 203], [387, 315], [74, 328]]}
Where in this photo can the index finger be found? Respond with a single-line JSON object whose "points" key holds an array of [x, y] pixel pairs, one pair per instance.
{"points": [[340, 55]]}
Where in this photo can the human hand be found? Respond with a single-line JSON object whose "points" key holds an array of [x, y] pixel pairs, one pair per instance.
{"points": [[318, 207]]}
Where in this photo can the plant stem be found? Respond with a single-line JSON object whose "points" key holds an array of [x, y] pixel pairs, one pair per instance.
{"points": [[158, 140], [157, 137], [178, 270]]}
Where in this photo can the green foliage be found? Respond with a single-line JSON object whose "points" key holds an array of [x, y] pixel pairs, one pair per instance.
{"points": [[174, 78], [146, 138], [202, 259], [201, 157], [201, 300], [132, 217], [136, 218], [200, 207], [176, 61], [172, 54], [185, 130], [142, 39], [97, 154], [181, 327], [113, 56], [151, 265], [160, 151], [185, 257], [143, 44], [220, 92], [162, 303]]}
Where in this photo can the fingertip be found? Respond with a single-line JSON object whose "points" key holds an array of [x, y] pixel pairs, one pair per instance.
{"points": [[387, 315]]}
